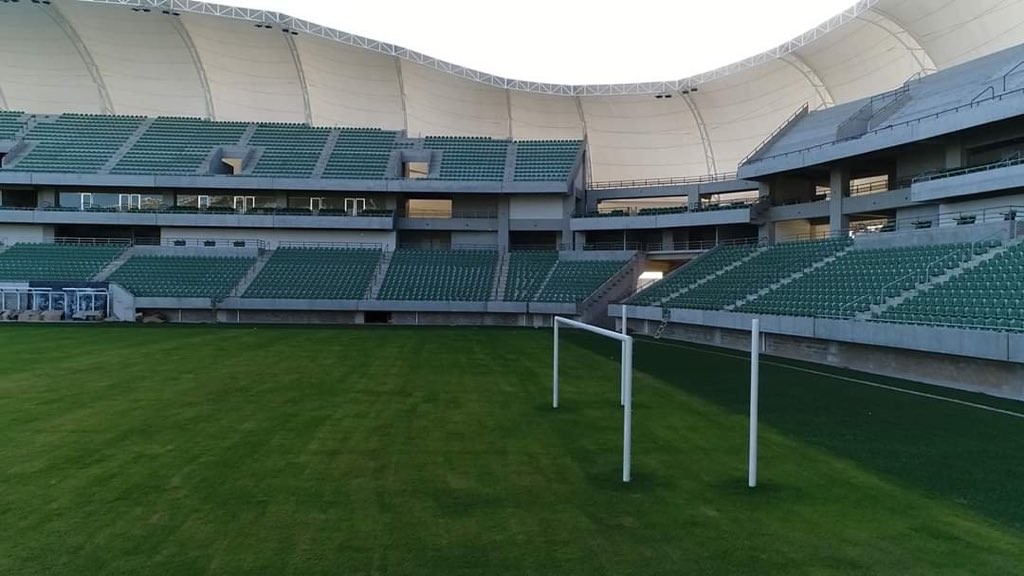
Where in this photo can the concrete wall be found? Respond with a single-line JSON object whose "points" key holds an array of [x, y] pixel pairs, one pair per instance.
{"points": [[541, 207], [274, 237], [11, 234]]}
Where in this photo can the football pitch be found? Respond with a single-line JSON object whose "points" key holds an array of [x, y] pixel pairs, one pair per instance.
{"points": [[350, 451]]}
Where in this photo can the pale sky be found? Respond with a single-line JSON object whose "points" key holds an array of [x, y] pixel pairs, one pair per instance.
{"points": [[572, 41]]}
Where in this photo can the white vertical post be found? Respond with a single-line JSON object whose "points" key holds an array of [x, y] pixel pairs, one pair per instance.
{"points": [[554, 376], [625, 374], [627, 420], [624, 318], [755, 356]]}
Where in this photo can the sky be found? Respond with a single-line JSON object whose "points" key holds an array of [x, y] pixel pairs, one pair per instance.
{"points": [[572, 41]]}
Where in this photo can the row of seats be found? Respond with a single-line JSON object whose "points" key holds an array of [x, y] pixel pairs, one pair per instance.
{"points": [[316, 273], [288, 150], [51, 262], [708, 264], [361, 154], [527, 270], [545, 160], [466, 158], [574, 280], [177, 146], [451, 275], [181, 276], [10, 124], [75, 143]]}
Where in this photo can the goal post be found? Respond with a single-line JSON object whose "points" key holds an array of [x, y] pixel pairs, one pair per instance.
{"points": [[755, 360], [625, 384]]}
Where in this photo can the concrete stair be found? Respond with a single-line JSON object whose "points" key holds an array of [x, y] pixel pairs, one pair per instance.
{"points": [[250, 276], [247, 135], [378, 278], [131, 141], [500, 278], [109, 269], [750, 298], [325, 154], [708, 278]]}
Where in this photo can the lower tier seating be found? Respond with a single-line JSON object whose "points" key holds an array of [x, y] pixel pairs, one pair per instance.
{"points": [[709, 263], [574, 280], [316, 273], [48, 262], [452, 275], [181, 276], [762, 270], [527, 271]]}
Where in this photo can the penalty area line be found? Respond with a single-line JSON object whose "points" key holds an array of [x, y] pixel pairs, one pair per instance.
{"points": [[846, 378]]}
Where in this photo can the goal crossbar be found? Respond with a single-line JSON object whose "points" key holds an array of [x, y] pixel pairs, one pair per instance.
{"points": [[625, 387]]}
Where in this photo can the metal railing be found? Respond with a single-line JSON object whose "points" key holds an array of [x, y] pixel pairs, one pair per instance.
{"points": [[711, 206], [800, 112], [349, 245], [448, 214], [651, 182], [75, 241], [954, 172], [212, 210], [214, 243]]}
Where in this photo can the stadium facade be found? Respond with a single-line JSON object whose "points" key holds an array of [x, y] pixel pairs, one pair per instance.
{"points": [[858, 186]]}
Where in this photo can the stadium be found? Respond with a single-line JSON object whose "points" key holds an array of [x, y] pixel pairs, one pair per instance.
{"points": [[276, 298]]}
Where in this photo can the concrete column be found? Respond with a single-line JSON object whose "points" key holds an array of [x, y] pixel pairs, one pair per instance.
{"points": [[766, 232], [668, 239], [764, 190], [954, 155], [839, 183], [503, 224], [579, 240], [281, 199], [568, 211], [693, 198]]}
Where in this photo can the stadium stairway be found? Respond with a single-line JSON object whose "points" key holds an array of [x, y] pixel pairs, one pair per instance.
{"points": [[795, 276], [976, 260], [325, 154], [500, 277], [246, 137], [251, 274], [380, 275], [112, 267], [594, 309], [127, 146]]}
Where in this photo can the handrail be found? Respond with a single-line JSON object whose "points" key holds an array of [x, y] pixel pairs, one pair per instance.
{"points": [[668, 181], [987, 89], [927, 177], [1011, 71], [778, 130]]}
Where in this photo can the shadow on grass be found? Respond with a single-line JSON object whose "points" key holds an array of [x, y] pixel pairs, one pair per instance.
{"points": [[957, 453]]}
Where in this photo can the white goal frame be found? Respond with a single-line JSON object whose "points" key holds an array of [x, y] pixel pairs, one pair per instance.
{"points": [[626, 382]]}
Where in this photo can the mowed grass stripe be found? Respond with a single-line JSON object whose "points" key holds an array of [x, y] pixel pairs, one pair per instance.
{"points": [[421, 451]]}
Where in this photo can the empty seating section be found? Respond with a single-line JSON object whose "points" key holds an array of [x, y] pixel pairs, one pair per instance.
{"points": [[858, 279], [316, 273], [710, 263], [574, 280], [761, 271], [48, 262], [10, 124], [527, 271], [469, 158], [990, 295], [178, 146], [288, 149], [361, 154], [455, 275], [75, 143], [545, 160], [181, 276]]}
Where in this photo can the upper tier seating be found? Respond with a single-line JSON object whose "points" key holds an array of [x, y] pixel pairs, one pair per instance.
{"points": [[542, 160], [361, 154], [10, 123], [181, 276], [762, 270], [853, 282], [455, 275], [527, 270], [469, 158], [990, 295], [178, 146], [75, 143], [290, 150], [710, 263], [574, 280], [48, 262], [316, 273]]}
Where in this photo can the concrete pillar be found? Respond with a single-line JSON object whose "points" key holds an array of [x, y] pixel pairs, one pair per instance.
{"points": [[668, 239], [281, 199], [954, 155], [693, 198], [764, 190], [766, 233], [568, 211], [579, 240], [839, 183], [503, 224]]}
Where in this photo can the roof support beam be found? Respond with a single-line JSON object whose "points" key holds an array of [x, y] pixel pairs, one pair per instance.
{"points": [[3, 99], [904, 37], [301, 73], [401, 92], [197, 61], [106, 104], [705, 138], [812, 78]]}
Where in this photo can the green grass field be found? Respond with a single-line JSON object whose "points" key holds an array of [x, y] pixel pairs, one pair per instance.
{"points": [[272, 451]]}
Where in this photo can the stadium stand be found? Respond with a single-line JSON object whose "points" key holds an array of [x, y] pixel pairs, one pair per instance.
{"points": [[10, 123], [545, 159], [181, 276], [761, 271], [469, 158], [361, 154], [316, 273], [574, 280], [703, 267], [989, 296], [75, 143], [527, 270], [855, 281], [291, 150], [49, 262], [177, 146], [453, 275]]}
